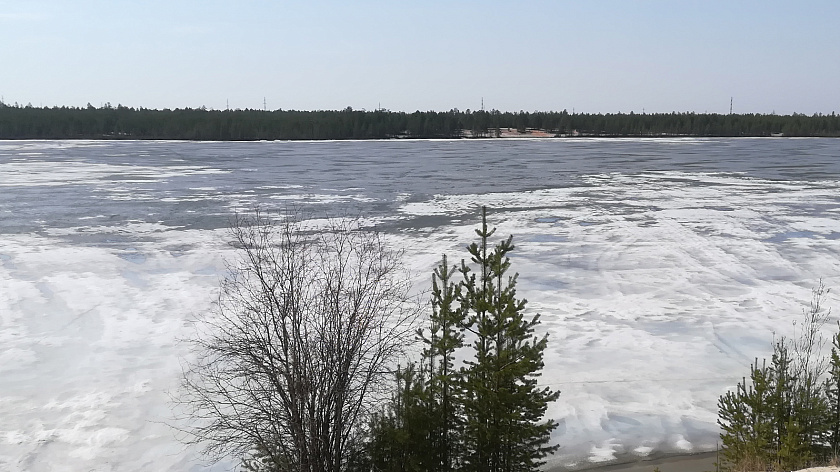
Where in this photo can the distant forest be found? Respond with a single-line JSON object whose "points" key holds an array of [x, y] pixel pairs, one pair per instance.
{"points": [[120, 122]]}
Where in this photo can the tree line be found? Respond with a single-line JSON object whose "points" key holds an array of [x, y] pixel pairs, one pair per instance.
{"points": [[201, 124]]}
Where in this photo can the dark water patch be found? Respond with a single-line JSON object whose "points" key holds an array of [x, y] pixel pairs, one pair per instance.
{"points": [[647, 223], [417, 222], [669, 328], [782, 237], [129, 178], [700, 431], [546, 283], [548, 238], [122, 241], [133, 255], [178, 250], [827, 209], [779, 274], [618, 424]]}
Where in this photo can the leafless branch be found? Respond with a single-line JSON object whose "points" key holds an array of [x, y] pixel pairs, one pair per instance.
{"points": [[308, 323]]}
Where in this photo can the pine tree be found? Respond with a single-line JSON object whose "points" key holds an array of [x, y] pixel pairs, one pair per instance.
{"points": [[784, 417], [746, 418], [487, 415], [832, 393], [503, 405], [790, 447], [444, 339], [398, 438]]}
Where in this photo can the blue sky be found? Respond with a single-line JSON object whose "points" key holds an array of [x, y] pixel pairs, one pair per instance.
{"points": [[590, 56]]}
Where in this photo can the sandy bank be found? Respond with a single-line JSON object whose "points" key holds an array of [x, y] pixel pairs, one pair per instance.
{"points": [[700, 462]]}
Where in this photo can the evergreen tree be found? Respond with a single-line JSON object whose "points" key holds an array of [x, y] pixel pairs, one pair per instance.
{"points": [[777, 418], [832, 393], [444, 339], [503, 406], [746, 418], [399, 434], [784, 417], [790, 445], [487, 415]]}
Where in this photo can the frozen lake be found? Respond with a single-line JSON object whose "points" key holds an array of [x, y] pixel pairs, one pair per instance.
{"points": [[661, 268]]}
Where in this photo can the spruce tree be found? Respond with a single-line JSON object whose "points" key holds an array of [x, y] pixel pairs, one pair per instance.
{"points": [[503, 405]]}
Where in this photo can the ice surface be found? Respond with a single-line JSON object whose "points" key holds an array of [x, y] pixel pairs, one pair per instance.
{"points": [[89, 350], [657, 294], [657, 287]]}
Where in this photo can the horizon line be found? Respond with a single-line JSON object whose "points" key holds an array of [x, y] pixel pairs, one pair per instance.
{"points": [[109, 106]]}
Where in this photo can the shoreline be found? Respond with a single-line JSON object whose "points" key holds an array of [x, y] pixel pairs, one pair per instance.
{"points": [[666, 462], [397, 138]]}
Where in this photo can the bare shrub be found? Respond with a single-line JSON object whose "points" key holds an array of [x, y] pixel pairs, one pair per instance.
{"points": [[308, 324]]}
